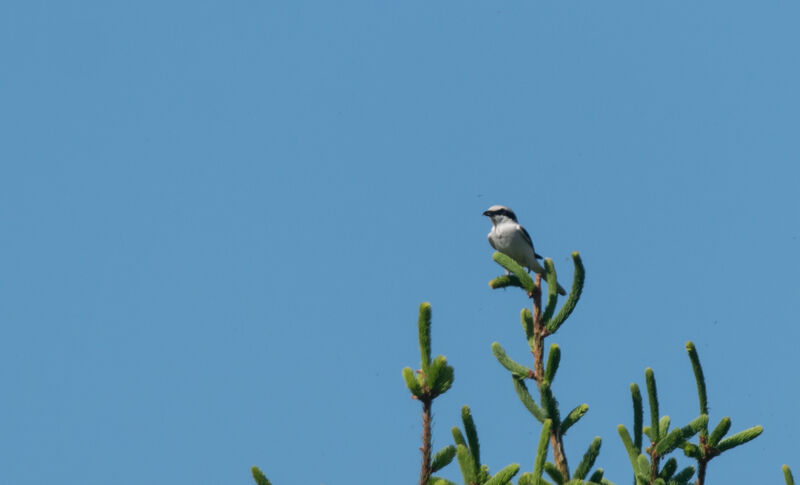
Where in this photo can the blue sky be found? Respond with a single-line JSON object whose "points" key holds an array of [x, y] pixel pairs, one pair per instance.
{"points": [[219, 219]]}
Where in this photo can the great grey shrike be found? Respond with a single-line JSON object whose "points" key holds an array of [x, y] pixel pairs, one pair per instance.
{"points": [[511, 239]]}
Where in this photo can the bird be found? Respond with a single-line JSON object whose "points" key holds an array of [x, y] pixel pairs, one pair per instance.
{"points": [[511, 239]]}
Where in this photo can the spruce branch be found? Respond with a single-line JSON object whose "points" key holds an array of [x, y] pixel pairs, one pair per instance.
{"points": [[719, 431], [710, 446], [442, 458], [550, 404], [572, 298], [552, 290], [643, 469], [627, 442], [527, 400], [684, 475], [553, 472], [787, 475], [518, 370], [652, 398], [527, 324], [412, 382], [655, 425], [638, 417], [514, 268], [692, 451], [469, 456], [664, 441], [483, 474], [503, 476], [739, 438], [546, 394], [433, 379], [458, 436], [541, 451], [259, 476], [597, 476], [469, 469], [553, 359], [668, 469], [700, 379], [679, 435], [537, 325], [472, 433], [505, 281], [424, 332], [441, 376], [647, 432], [573, 417], [588, 459], [695, 426], [663, 426]]}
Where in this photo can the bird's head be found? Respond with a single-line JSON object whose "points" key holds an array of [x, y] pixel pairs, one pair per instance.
{"points": [[500, 213]]}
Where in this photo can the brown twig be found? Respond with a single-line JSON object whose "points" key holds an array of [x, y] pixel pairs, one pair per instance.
{"points": [[701, 471], [654, 459], [539, 333], [708, 453], [425, 473]]}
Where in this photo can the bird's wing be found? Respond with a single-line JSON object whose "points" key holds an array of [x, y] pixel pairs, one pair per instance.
{"points": [[491, 242], [526, 236]]}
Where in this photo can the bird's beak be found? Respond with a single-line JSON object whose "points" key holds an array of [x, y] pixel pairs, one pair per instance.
{"points": [[486, 213]]}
